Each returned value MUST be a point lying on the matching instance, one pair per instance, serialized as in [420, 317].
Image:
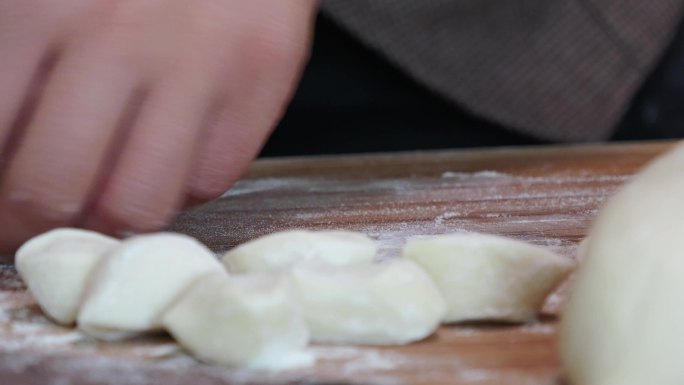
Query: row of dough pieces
[265, 300]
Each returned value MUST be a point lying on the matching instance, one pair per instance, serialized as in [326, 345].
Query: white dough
[56, 267]
[140, 279]
[623, 324]
[582, 249]
[487, 277]
[388, 303]
[287, 248]
[249, 321]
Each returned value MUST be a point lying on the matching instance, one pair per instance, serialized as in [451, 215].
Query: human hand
[114, 113]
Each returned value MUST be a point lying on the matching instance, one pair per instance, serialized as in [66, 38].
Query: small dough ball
[382, 304]
[487, 277]
[56, 267]
[622, 324]
[287, 248]
[140, 279]
[250, 321]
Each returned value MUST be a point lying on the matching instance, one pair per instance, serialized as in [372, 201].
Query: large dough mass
[623, 324]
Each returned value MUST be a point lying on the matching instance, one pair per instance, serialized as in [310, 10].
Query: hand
[113, 113]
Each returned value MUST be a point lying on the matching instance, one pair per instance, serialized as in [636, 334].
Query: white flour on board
[437, 206]
[451, 202]
[477, 174]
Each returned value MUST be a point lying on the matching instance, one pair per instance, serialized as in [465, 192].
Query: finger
[256, 100]
[66, 144]
[148, 182]
[228, 146]
[23, 64]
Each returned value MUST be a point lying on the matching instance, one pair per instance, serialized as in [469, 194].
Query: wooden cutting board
[547, 196]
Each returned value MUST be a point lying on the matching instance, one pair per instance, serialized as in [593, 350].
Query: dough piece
[487, 277]
[582, 248]
[249, 321]
[623, 322]
[56, 267]
[287, 248]
[140, 279]
[381, 304]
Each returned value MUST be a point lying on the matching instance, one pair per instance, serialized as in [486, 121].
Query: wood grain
[545, 195]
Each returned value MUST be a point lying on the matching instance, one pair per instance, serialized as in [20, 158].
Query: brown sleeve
[556, 69]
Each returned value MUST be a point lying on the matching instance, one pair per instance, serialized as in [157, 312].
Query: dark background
[351, 100]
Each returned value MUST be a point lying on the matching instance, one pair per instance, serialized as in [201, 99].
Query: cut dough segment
[487, 277]
[140, 279]
[388, 303]
[56, 267]
[623, 322]
[249, 321]
[287, 248]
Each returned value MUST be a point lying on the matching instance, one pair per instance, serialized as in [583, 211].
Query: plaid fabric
[562, 70]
